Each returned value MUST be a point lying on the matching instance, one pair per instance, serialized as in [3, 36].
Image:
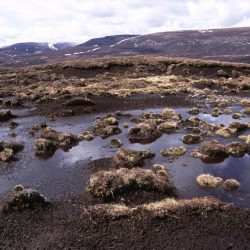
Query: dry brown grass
[122, 76]
[208, 180]
[108, 184]
[165, 207]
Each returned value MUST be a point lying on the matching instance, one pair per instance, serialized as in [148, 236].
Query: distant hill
[33, 48]
[216, 44]
[105, 41]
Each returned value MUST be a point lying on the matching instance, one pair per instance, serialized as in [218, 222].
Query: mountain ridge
[230, 44]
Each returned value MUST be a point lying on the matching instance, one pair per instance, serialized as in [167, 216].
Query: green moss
[173, 151]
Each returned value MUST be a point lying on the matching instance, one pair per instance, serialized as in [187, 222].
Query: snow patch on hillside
[51, 46]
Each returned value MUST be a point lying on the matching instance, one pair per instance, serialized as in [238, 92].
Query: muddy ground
[70, 97]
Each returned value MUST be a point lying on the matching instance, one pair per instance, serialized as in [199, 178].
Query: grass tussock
[107, 185]
[208, 180]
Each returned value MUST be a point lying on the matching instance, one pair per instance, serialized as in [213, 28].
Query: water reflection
[64, 173]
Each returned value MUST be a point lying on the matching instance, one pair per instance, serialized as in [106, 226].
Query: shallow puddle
[65, 173]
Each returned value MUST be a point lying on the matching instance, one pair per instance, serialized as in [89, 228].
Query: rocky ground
[160, 132]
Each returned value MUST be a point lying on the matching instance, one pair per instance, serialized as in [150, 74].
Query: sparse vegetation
[208, 180]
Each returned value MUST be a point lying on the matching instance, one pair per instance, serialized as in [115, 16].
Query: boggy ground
[69, 225]
[140, 217]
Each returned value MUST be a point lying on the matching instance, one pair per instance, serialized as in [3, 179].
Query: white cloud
[80, 20]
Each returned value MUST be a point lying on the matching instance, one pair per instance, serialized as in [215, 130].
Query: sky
[80, 20]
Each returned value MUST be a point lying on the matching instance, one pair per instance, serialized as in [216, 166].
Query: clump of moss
[228, 111]
[216, 112]
[37, 127]
[194, 111]
[125, 125]
[214, 149]
[125, 158]
[208, 180]
[61, 140]
[143, 133]
[167, 127]
[246, 110]
[44, 147]
[8, 149]
[170, 114]
[18, 188]
[23, 198]
[237, 115]
[174, 151]
[236, 149]
[191, 138]
[245, 102]
[106, 127]
[231, 184]
[226, 132]
[116, 143]
[245, 138]
[6, 154]
[86, 136]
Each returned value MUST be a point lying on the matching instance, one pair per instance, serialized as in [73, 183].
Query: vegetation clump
[23, 199]
[106, 127]
[61, 140]
[116, 143]
[86, 136]
[216, 112]
[226, 132]
[143, 133]
[236, 149]
[125, 158]
[170, 115]
[37, 127]
[231, 184]
[194, 111]
[107, 185]
[246, 110]
[44, 147]
[50, 140]
[237, 115]
[174, 151]
[8, 150]
[6, 154]
[191, 138]
[167, 127]
[214, 149]
[208, 180]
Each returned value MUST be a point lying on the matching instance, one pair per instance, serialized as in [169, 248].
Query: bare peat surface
[116, 146]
